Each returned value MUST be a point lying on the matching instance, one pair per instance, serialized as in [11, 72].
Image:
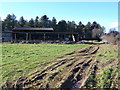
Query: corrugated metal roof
[48, 29]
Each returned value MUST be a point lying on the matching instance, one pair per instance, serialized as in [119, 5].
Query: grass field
[60, 66]
[20, 59]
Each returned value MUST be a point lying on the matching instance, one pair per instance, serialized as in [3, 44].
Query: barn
[31, 33]
[42, 34]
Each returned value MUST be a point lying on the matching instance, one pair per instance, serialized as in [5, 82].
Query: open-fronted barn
[42, 34]
[30, 33]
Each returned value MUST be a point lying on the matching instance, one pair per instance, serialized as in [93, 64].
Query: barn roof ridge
[33, 29]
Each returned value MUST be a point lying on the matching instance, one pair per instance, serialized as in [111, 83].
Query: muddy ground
[70, 71]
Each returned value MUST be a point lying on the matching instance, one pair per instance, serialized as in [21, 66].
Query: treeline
[90, 30]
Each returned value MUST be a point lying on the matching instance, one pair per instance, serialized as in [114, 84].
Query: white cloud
[114, 25]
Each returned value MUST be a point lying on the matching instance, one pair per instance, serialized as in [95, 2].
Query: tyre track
[72, 72]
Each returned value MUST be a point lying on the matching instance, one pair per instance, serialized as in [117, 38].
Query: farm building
[31, 33]
[41, 34]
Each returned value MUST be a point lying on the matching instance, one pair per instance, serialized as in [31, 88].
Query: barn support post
[26, 36]
[29, 36]
[15, 37]
[61, 37]
[58, 36]
[11, 36]
[44, 36]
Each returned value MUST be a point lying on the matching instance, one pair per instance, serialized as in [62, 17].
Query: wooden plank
[73, 37]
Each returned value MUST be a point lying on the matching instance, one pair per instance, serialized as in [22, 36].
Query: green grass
[107, 52]
[106, 77]
[20, 59]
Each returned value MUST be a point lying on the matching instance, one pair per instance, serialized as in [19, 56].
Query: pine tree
[31, 23]
[54, 22]
[14, 21]
[62, 26]
[71, 26]
[44, 21]
[36, 23]
[21, 22]
[8, 23]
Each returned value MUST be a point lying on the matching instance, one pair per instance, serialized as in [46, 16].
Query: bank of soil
[79, 69]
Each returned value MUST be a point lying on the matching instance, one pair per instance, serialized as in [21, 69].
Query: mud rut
[70, 72]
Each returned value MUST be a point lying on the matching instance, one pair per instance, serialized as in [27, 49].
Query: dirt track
[69, 71]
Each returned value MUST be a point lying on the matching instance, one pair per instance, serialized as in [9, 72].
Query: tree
[80, 27]
[8, 22]
[80, 23]
[88, 26]
[88, 30]
[44, 21]
[31, 23]
[3, 25]
[49, 24]
[27, 25]
[97, 30]
[80, 30]
[94, 25]
[71, 26]
[14, 21]
[54, 22]
[62, 26]
[21, 22]
[36, 23]
[96, 33]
